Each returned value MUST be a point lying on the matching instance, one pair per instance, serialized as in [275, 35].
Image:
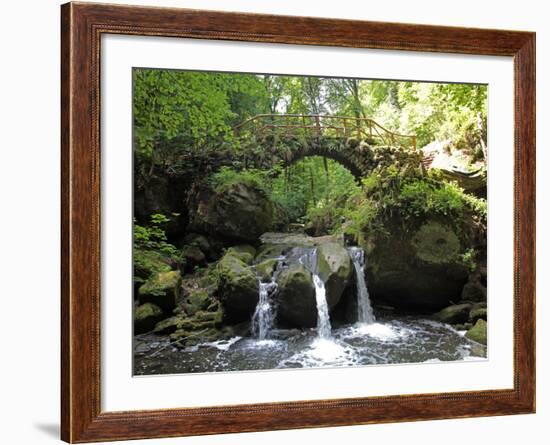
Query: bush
[227, 177]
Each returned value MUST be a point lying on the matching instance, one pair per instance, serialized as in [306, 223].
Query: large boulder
[238, 212]
[146, 316]
[335, 268]
[162, 289]
[238, 287]
[296, 297]
[420, 271]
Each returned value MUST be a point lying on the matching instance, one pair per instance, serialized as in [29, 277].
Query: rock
[265, 269]
[296, 297]
[243, 252]
[146, 316]
[271, 251]
[238, 212]
[193, 257]
[479, 332]
[419, 271]
[477, 314]
[335, 268]
[200, 321]
[146, 264]
[238, 288]
[455, 314]
[196, 300]
[166, 327]
[474, 290]
[163, 289]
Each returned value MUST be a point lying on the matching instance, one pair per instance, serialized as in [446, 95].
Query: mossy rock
[419, 272]
[196, 300]
[238, 288]
[477, 314]
[436, 244]
[474, 291]
[146, 264]
[163, 289]
[193, 256]
[271, 251]
[146, 316]
[455, 314]
[479, 332]
[335, 268]
[149, 262]
[265, 269]
[237, 212]
[296, 297]
[243, 252]
[200, 321]
[190, 338]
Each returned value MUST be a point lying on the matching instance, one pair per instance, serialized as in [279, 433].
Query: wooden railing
[320, 125]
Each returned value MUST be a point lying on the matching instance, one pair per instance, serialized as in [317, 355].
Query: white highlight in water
[323, 319]
[365, 314]
[264, 314]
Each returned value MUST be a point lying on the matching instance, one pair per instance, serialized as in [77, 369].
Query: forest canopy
[200, 109]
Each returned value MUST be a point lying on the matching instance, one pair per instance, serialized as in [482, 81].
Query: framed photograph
[274, 222]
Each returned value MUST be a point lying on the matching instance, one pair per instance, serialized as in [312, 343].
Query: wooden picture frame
[82, 26]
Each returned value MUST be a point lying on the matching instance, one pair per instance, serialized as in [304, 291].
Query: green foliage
[153, 237]
[227, 177]
[197, 107]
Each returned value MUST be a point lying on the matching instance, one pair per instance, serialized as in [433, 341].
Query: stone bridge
[359, 144]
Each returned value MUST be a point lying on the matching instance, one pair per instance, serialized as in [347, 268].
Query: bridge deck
[322, 125]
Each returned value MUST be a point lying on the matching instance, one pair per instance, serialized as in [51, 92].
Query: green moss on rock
[237, 287]
[243, 252]
[436, 243]
[163, 289]
[479, 332]
[335, 268]
[265, 269]
[146, 316]
[457, 313]
[296, 297]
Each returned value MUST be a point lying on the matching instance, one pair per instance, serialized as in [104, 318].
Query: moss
[335, 269]
[163, 289]
[148, 263]
[237, 287]
[146, 316]
[478, 313]
[265, 269]
[270, 251]
[436, 243]
[243, 252]
[197, 300]
[479, 332]
[457, 313]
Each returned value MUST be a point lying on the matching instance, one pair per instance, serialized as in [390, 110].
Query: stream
[395, 340]
[369, 341]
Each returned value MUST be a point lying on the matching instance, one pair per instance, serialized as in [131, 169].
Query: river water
[386, 341]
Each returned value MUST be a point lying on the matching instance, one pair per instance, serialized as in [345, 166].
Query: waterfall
[264, 315]
[263, 319]
[364, 308]
[323, 319]
[309, 260]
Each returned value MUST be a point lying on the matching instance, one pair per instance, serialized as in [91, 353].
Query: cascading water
[263, 319]
[309, 260]
[365, 314]
[323, 318]
[264, 315]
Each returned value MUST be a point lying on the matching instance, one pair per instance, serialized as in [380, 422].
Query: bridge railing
[322, 125]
